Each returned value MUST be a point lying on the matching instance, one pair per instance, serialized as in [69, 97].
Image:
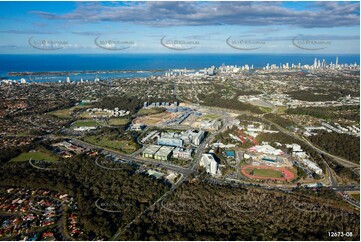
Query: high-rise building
[323, 63]
[337, 61]
[209, 163]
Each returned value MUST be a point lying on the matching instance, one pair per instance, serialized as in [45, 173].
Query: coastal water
[138, 62]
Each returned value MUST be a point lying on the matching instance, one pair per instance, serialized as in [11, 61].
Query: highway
[186, 172]
[130, 158]
[339, 160]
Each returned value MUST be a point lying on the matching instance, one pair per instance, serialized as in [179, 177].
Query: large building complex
[194, 137]
[150, 151]
[182, 153]
[170, 141]
[164, 153]
[312, 166]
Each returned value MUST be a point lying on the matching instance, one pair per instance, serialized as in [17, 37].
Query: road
[185, 175]
[339, 160]
[330, 172]
[186, 172]
[130, 158]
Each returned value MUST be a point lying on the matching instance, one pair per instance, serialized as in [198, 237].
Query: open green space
[265, 173]
[347, 112]
[123, 145]
[66, 113]
[355, 196]
[37, 155]
[265, 109]
[85, 123]
[147, 111]
[62, 113]
[210, 116]
[118, 121]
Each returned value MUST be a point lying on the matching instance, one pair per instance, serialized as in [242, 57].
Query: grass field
[85, 123]
[118, 121]
[126, 146]
[147, 111]
[265, 109]
[62, 113]
[66, 113]
[209, 117]
[265, 173]
[355, 196]
[34, 156]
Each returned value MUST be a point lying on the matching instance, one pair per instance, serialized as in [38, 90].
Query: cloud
[87, 33]
[300, 37]
[14, 31]
[10, 46]
[163, 14]
[96, 33]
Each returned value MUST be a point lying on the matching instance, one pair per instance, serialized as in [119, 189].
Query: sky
[180, 27]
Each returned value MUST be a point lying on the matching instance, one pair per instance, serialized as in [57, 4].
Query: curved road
[339, 160]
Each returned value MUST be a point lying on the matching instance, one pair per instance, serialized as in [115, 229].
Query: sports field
[148, 111]
[267, 172]
[66, 113]
[126, 146]
[118, 121]
[37, 155]
[85, 123]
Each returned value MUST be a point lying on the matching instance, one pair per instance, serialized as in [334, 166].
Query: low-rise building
[85, 128]
[170, 141]
[150, 151]
[313, 166]
[182, 153]
[164, 153]
[266, 149]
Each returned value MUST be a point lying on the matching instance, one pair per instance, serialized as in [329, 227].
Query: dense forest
[321, 96]
[343, 145]
[132, 104]
[329, 113]
[200, 211]
[123, 190]
[122, 102]
[216, 100]
[277, 119]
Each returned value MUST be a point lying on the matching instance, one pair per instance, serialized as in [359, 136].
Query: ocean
[160, 62]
